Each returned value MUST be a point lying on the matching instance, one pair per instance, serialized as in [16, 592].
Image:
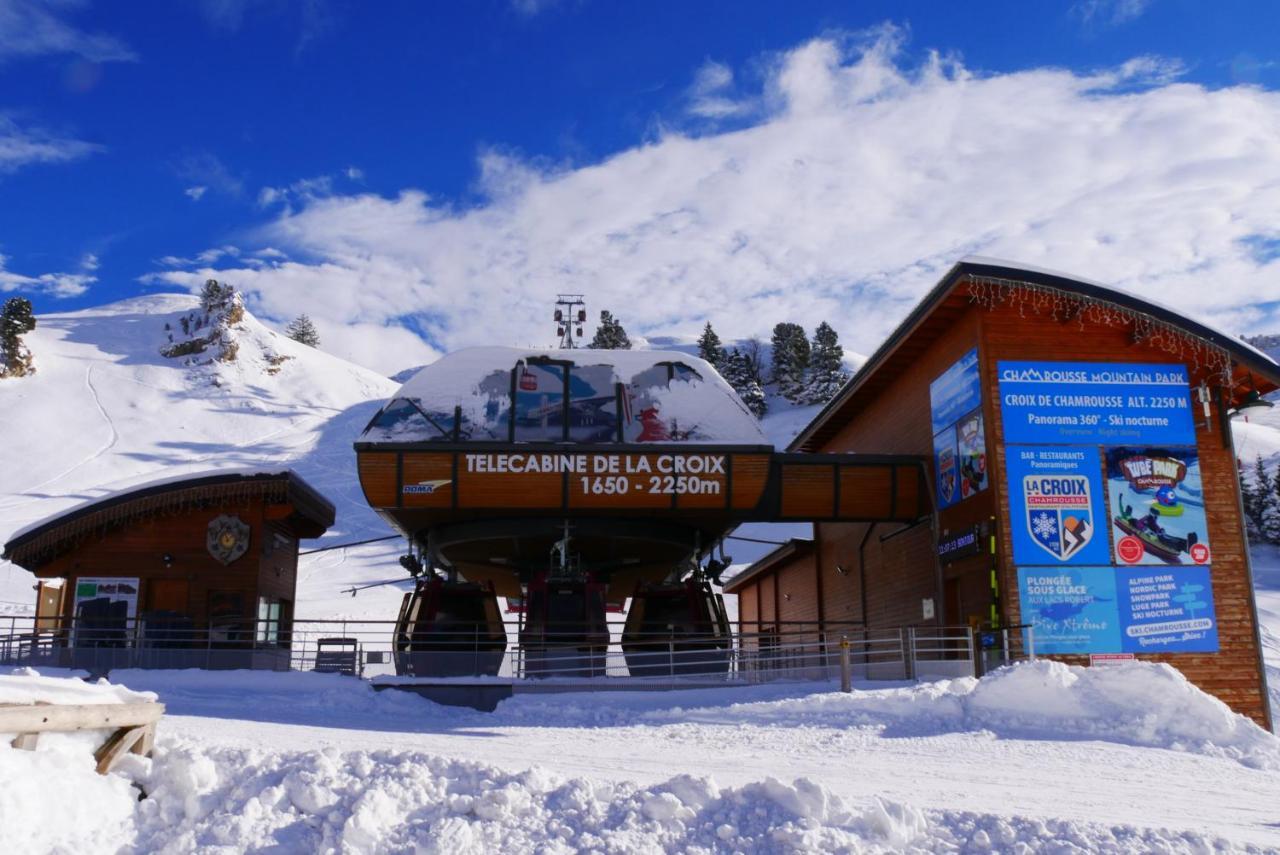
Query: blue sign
[1119, 610]
[1167, 610]
[1157, 505]
[1071, 609]
[1095, 403]
[955, 392]
[959, 442]
[1057, 509]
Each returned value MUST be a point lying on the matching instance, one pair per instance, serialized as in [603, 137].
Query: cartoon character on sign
[947, 475]
[1058, 513]
[1158, 504]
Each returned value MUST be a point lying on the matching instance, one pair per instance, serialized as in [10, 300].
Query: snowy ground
[1041, 757]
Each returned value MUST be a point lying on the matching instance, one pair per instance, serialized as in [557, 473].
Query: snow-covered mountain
[106, 410]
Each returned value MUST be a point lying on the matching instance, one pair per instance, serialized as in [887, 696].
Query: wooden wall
[1234, 673]
[900, 569]
[268, 567]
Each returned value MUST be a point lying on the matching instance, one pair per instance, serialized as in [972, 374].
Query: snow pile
[409, 801]
[28, 686]
[52, 799]
[1138, 703]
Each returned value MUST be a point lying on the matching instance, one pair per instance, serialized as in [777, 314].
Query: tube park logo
[1059, 513]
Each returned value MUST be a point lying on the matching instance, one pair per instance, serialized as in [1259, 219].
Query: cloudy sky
[419, 178]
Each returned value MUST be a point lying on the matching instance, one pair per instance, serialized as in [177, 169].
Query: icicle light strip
[1063, 306]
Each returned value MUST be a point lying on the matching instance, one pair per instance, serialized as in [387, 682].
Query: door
[168, 595]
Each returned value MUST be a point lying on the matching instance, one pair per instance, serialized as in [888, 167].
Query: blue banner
[1167, 610]
[1095, 403]
[959, 441]
[1119, 610]
[1071, 609]
[1057, 509]
[955, 392]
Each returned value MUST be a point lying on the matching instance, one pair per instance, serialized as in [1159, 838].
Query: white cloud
[302, 190]
[204, 169]
[710, 93]
[860, 185]
[31, 28]
[1110, 12]
[196, 192]
[354, 173]
[22, 146]
[57, 285]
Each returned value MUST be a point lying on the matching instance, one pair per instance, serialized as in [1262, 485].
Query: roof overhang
[1264, 372]
[41, 543]
[793, 549]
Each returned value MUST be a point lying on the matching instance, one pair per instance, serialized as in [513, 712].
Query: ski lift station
[1030, 465]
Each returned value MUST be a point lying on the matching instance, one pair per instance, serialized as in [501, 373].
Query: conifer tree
[790, 360]
[1259, 499]
[826, 366]
[709, 347]
[1271, 510]
[16, 320]
[609, 334]
[303, 331]
[736, 370]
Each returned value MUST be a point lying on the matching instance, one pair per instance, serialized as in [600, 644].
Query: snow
[28, 686]
[1051, 757]
[465, 379]
[113, 413]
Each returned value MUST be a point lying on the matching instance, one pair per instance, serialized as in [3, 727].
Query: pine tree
[303, 331]
[709, 347]
[214, 296]
[16, 320]
[1259, 498]
[1271, 512]
[610, 335]
[826, 366]
[737, 372]
[753, 352]
[790, 360]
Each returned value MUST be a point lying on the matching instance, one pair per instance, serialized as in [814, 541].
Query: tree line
[1261, 496]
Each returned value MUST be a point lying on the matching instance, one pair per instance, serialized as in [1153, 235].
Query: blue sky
[404, 171]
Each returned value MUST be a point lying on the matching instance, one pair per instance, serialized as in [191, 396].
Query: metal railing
[755, 653]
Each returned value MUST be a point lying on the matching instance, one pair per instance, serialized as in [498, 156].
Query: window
[268, 621]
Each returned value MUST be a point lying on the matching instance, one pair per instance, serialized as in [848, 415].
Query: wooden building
[1083, 474]
[186, 566]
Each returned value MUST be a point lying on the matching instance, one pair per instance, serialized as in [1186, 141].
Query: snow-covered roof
[45, 537]
[498, 394]
[1240, 352]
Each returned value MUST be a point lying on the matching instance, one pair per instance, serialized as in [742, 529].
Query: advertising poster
[945, 464]
[959, 441]
[1167, 610]
[1095, 403]
[1057, 507]
[111, 590]
[971, 454]
[955, 392]
[1156, 506]
[1072, 609]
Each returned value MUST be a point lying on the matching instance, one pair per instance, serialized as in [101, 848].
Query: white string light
[991, 292]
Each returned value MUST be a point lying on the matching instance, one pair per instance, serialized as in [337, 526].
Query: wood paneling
[750, 475]
[808, 492]
[377, 471]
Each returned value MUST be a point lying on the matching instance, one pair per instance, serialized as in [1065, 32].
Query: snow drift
[204, 796]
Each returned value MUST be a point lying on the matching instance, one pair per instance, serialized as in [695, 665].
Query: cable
[353, 543]
[756, 540]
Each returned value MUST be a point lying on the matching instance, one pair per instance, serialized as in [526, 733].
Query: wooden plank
[123, 741]
[44, 718]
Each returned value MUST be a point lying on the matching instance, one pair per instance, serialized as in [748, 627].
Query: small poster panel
[959, 442]
[1071, 609]
[113, 590]
[1056, 505]
[1156, 505]
[971, 448]
[1167, 610]
[1095, 403]
[947, 467]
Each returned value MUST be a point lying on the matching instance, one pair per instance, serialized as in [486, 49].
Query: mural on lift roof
[959, 441]
[1067, 425]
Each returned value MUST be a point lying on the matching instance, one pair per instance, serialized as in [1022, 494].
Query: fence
[757, 653]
